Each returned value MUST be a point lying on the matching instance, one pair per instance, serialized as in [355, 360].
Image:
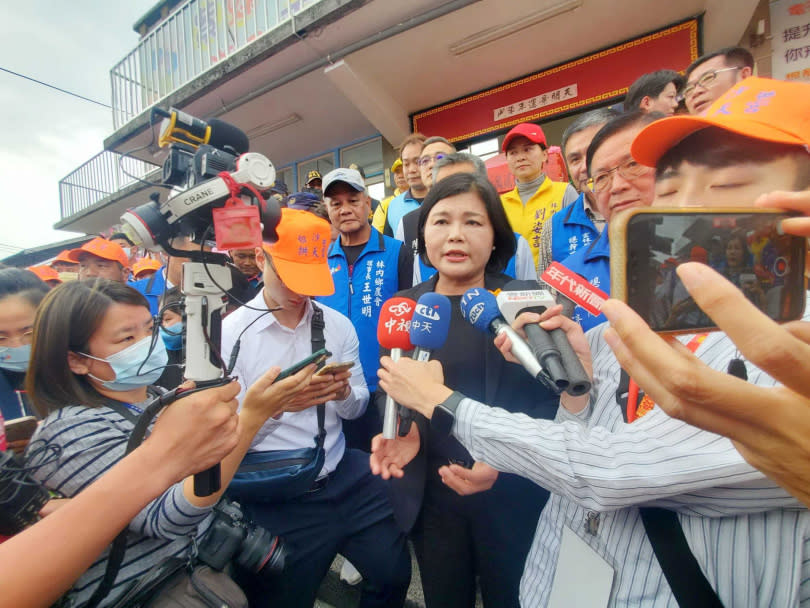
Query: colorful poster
[790, 42]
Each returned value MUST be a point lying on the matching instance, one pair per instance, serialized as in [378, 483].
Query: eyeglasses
[25, 338]
[705, 82]
[629, 170]
[424, 160]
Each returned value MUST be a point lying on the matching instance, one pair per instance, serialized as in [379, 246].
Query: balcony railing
[98, 178]
[196, 36]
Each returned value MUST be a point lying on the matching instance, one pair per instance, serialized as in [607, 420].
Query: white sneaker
[349, 574]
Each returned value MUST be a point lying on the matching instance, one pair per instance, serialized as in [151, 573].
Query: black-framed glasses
[424, 160]
[629, 170]
[705, 82]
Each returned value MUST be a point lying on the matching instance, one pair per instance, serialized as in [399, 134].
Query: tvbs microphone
[480, 309]
[393, 333]
[429, 328]
[552, 349]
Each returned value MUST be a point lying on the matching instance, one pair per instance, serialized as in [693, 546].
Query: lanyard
[636, 409]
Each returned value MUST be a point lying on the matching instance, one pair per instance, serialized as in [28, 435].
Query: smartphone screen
[745, 247]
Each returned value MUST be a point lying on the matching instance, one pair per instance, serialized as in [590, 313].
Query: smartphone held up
[745, 245]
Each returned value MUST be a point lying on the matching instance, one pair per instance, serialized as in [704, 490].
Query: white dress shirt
[749, 536]
[267, 343]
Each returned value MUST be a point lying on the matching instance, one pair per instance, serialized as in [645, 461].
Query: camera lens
[262, 552]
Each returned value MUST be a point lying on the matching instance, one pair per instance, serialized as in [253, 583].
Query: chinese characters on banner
[538, 101]
[790, 28]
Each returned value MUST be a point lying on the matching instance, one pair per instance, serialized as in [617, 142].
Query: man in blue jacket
[367, 268]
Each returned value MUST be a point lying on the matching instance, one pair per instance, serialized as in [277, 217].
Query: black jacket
[499, 383]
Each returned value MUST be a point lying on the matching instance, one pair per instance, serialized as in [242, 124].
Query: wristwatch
[444, 415]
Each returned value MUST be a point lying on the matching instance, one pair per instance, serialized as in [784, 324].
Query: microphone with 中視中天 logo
[430, 325]
[393, 333]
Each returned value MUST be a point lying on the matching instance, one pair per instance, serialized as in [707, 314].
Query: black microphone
[225, 135]
[552, 349]
[523, 296]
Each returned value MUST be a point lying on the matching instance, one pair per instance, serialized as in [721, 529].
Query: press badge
[577, 561]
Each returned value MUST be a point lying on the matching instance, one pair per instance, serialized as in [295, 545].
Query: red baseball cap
[300, 253]
[529, 130]
[101, 248]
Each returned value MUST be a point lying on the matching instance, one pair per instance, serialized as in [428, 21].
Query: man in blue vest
[367, 268]
[577, 225]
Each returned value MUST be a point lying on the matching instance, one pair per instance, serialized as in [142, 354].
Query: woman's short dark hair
[717, 148]
[461, 183]
[66, 320]
[22, 283]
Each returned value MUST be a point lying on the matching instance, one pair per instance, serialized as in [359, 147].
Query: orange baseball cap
[299, 254]
[64, 256]
[145, 264]
[45, 273]
[101, 248]
[759, 108]
[529, 130]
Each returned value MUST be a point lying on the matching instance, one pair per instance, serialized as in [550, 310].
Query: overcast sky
[47, 134]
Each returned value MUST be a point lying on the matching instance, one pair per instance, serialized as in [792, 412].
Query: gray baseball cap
[351, 177]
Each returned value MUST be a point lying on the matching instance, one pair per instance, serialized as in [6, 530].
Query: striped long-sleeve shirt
[748, 535]
[91, 441]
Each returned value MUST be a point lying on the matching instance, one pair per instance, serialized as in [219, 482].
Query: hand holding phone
[646, 245]
[316, 358]
[335, 368]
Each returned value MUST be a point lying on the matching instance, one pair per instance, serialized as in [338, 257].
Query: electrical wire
[56, 88]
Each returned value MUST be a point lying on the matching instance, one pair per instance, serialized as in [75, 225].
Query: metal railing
[98, 178]
[196, 36]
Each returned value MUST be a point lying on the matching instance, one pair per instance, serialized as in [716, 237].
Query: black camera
[233, 537]
[21, 497]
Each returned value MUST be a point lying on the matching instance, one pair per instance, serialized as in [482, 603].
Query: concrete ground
[334, 593]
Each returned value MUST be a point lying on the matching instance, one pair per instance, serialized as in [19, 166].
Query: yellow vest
[528, 219]
[381, 214]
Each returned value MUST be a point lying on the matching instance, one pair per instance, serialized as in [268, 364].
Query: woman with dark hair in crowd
[21, 291]
[171, 330]
[472, 521]
[95, 356]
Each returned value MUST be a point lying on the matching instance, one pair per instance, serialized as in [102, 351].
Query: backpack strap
[665, 533]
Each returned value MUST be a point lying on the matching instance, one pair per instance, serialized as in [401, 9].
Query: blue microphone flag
[430, 323]
[480, 308]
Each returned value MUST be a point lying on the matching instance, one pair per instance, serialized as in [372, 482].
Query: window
[368, 156]
[286, 175]
[322, 164]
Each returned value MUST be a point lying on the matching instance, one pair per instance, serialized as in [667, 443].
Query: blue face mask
[15, 359]
[173, 336]
[126, 363]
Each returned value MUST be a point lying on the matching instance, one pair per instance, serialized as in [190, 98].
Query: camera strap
[119, 545]
[318, 342]
[665, 533]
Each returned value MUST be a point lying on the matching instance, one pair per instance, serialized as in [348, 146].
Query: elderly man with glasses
[712, 75]
[619, 183]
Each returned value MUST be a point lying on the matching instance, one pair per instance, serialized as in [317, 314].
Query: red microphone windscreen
[393, 328]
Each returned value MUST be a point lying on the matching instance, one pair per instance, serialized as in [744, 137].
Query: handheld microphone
[393, 333]
[480, 309]
[522, 296]
[552, 349]
[429, 328]
[430, 324]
